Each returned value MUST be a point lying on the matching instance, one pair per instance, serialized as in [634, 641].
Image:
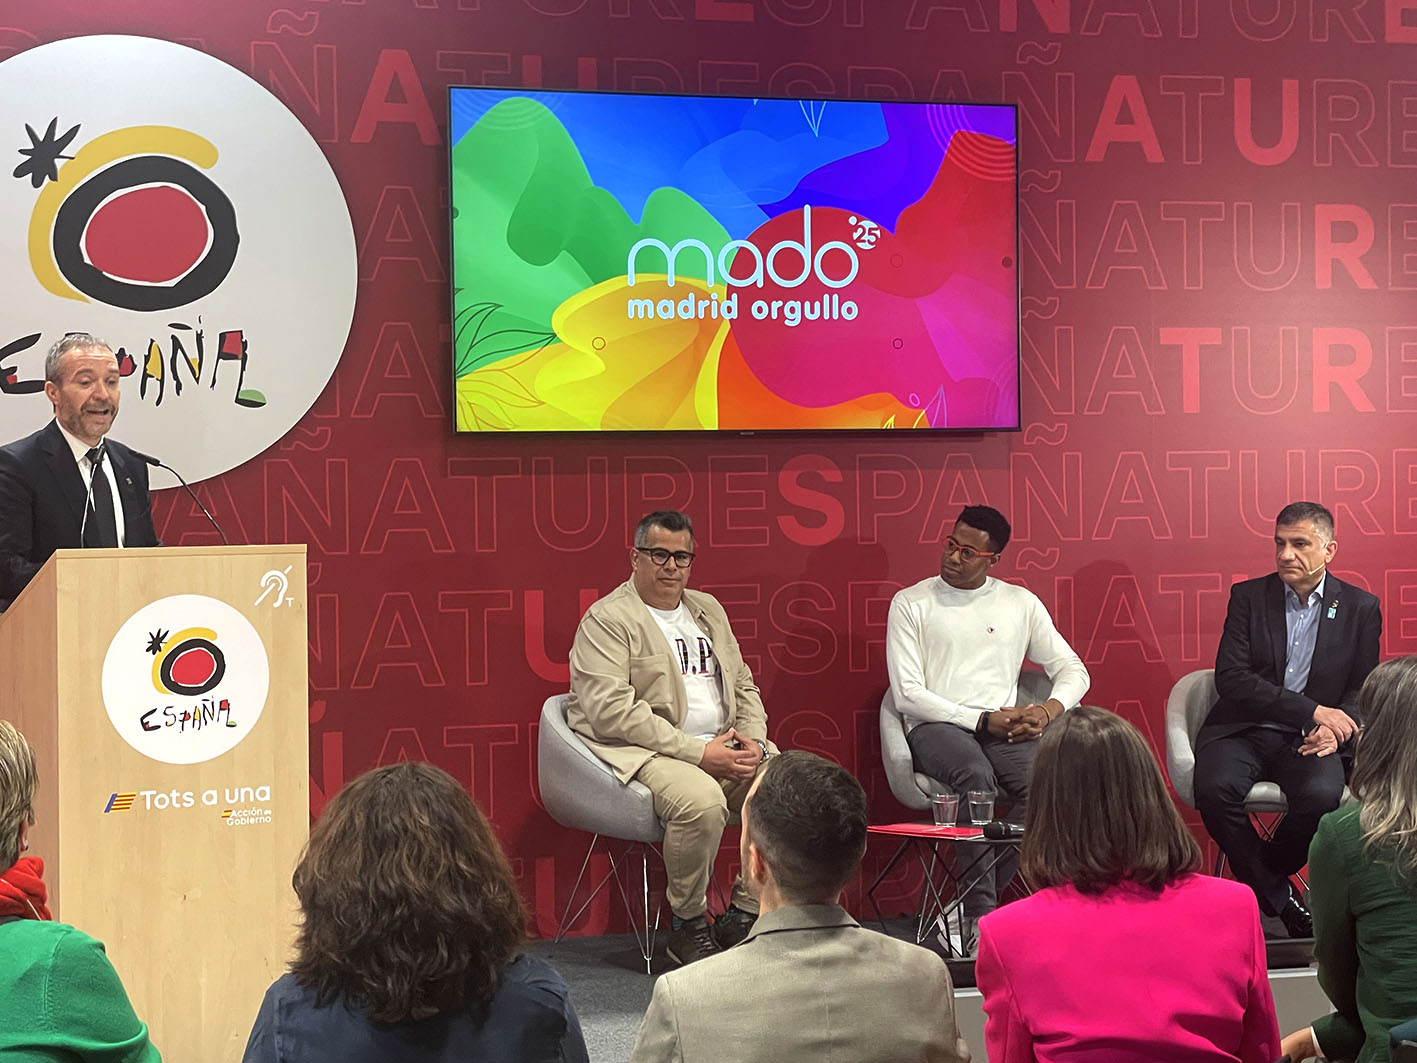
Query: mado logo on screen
[755, 269]
[687, 262]
[185, 679]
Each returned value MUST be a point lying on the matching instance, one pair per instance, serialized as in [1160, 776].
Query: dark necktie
[100, 528]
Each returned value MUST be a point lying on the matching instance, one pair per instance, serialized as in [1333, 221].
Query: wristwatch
[983, 724]
[764, 747]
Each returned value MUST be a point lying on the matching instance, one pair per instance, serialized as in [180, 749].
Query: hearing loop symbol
[278, 581]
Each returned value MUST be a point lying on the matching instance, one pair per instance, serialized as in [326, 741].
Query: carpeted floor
[609, 989]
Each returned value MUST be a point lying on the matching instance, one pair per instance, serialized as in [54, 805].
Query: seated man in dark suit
[46, 502]
[1296, 647]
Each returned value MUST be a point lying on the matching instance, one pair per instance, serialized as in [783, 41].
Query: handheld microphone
[999, 830]
[156, 463]
[96, 469]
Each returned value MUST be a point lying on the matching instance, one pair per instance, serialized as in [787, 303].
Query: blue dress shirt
[1301, 627]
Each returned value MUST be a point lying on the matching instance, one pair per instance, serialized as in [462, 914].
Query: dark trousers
[963, 761]
[1226, 767]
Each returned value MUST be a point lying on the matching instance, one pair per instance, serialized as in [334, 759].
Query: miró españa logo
[743, 264]
[185, 679]
[171, 204]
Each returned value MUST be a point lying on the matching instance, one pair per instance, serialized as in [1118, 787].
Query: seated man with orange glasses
[954, 646]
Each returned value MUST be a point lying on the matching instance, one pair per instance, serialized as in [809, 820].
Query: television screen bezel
[712, 433]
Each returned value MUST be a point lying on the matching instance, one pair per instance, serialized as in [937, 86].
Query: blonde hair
[19, 778]
[1385, 765]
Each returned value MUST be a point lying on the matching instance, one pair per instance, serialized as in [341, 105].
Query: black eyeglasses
[659, 555]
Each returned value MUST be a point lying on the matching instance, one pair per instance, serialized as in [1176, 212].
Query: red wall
[1219, 250]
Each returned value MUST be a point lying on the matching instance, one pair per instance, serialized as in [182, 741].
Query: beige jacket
[627, 694]
[807, 985]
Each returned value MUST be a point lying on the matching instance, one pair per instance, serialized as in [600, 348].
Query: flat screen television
[627, 262]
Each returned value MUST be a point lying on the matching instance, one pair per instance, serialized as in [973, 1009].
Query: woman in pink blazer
[1125, 954]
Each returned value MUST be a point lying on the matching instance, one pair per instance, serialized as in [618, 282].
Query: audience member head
[1098, 811]
[19, 779]
[973, 547]
[81, 380]
[660, 560]
[1385, 764]
[409, 905]
[1303, 544]
[804, 830]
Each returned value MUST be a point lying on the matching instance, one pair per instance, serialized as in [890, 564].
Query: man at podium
[50, 497]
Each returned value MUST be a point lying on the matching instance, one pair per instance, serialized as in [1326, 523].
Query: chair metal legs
[1265, 825]
[643, 929]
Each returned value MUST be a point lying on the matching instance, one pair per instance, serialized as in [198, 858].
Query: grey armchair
[1187, 707]
[580, 791]
[911, 788]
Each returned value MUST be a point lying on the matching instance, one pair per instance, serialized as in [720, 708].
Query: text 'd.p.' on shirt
[693, 649]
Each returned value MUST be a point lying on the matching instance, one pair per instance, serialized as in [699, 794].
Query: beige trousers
[694, 808]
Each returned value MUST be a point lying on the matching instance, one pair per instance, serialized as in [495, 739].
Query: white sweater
[955, 654]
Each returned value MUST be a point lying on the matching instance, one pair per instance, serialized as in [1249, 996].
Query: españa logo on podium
[185, 679]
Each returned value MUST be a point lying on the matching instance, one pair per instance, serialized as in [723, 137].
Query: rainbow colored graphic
[626, 262]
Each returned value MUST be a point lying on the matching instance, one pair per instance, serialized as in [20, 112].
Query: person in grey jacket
[808, 983]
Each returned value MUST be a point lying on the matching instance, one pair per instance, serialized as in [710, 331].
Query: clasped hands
[1019, 723]
[731, 756]
[1332, 728]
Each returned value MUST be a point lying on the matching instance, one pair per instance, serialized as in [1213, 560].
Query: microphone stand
[158, 463]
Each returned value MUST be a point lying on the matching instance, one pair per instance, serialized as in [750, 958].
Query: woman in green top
[1363, 882]
[60, 998]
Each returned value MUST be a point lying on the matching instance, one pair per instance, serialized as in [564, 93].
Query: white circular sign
[167, 203]
[185, 679]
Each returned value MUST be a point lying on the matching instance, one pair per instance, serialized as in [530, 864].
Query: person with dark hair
[808, 982]
[410, 940]
[660, 692]
[954, 646]
[1103, 962]
[1363, 882]
[60, 998]
[81, 381]
[1296, 647]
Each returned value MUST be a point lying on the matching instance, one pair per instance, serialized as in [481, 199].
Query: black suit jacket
[42, 503]
[1251, 658]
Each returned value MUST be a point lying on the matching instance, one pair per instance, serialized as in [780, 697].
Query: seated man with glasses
[660, 692]
[954, 646]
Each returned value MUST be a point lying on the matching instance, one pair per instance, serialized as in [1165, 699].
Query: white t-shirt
[693, 649]
[953, 653]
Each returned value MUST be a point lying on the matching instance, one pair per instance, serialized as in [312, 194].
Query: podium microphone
[163, 465]
[1000, 830]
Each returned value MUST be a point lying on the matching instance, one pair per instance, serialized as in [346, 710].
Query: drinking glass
[946, 809]
[981, 806]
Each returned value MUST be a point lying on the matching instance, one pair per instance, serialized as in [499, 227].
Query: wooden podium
[171, 807]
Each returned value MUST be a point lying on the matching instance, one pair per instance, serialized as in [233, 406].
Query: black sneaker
[733, 926]
[1296, 917]
[692, 941]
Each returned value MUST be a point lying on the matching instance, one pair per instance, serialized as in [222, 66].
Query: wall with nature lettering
[1218, 258]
